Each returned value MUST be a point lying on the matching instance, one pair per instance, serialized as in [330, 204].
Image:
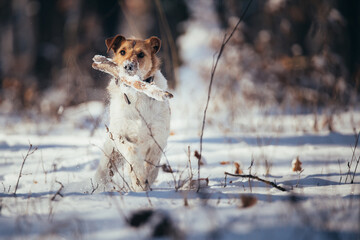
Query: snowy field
[54, 198]
[47, 165]
[52, 195]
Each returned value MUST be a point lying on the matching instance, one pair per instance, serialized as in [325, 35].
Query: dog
[139, 125]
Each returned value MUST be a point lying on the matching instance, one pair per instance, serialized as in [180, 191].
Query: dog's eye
[141, 55]
[122, 52]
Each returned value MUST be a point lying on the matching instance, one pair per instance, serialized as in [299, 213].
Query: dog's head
[138, 57]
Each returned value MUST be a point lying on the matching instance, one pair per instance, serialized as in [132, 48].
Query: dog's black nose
[130, 66]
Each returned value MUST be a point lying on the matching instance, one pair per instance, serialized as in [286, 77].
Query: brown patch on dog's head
[155, 44]
[114, 43]
[138, 57]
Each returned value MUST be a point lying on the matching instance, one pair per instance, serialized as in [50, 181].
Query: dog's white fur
[138, 135]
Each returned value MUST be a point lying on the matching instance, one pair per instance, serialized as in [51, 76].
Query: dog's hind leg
[110, 166]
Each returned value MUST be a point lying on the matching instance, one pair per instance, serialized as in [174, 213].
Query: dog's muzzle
[130, 68]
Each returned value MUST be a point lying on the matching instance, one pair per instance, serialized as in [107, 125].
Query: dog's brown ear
[155, 44]
[114, 42]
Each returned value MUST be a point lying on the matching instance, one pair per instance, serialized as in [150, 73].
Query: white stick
[106, 65]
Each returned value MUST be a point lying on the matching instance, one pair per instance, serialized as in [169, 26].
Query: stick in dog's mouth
[107, 65]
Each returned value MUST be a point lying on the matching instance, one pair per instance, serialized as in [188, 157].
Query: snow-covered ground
[318, 203]
[55, 199]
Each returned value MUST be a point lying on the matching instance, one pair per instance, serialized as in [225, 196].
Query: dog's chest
[131, 111]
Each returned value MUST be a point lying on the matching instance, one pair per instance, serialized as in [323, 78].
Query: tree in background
[301, 55]
[296, 51]
[46, 47]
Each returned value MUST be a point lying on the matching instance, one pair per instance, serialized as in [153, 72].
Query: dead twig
[148, 198]
[42, 164]
[93, 187]
[224, 42]
[340, 171]
[30, 151]
[165, 167]
[357, 136]
[190, 168]
[257, 178]
[250, 167]
[58, 191]
[298, 181]
[357, 163]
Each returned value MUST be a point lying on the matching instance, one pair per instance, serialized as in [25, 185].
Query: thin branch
[30, 151]
[58, 191]
[189, 159]
[357, 136]
[165, 167]
[251, 165]
[257, 178]
[148, 198]
[93, 187]
[357, 163]
[224, 42]
[340, 171]
[42, 164]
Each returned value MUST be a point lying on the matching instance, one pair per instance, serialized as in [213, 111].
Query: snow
[318, 204]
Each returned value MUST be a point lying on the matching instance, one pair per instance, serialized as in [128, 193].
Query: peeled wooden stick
[106, 65]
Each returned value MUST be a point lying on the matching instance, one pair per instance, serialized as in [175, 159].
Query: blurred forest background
[286, 52]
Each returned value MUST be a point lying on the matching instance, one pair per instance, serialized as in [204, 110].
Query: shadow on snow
[311, 139]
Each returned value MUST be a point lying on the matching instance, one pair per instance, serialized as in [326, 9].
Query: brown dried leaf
[199, 157]
[111, 136]
[237, 168]
[166, 168]
[225, 162]
[138, 182]
[296, 165]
